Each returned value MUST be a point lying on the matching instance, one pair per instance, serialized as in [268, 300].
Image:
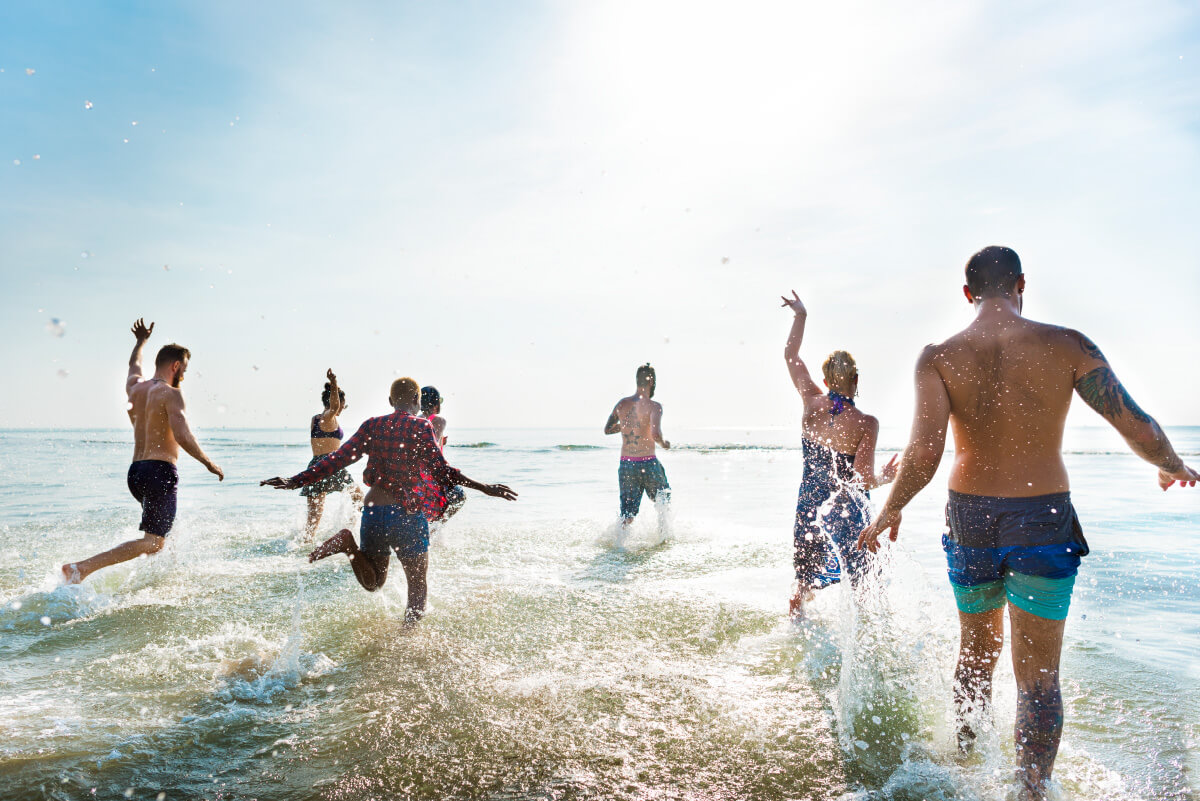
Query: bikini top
[316, 432]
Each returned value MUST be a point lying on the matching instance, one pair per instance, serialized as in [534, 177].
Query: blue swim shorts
[1023, 550]
[390, 528]
[637, 475]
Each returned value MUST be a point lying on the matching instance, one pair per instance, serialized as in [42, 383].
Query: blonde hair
[840, 371]
[405, 391]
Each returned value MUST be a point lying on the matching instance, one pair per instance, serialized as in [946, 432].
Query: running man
[404, 465]
[431, 410]
[160, 429]
[1005, 383]
[639, 420]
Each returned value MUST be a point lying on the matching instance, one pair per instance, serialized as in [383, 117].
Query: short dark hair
[168, 354]
[430, 398]
[993, 271]
[327, 393]
[646, 377]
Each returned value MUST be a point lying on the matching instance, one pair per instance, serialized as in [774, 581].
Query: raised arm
[141, 333]
[1098, 386]
[613, 426]
[797, 369]
[926, 443]
[176, 415]
[864, 459]
[329, 416]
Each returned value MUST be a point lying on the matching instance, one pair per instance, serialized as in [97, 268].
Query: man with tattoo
[639, 420]
[1005, 383]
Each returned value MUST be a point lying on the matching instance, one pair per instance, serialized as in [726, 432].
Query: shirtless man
[403, 458]
[160, 429]
[639, 420]
[1005, 383]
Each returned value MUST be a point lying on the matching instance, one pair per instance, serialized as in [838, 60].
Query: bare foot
[71, 573]
[796, 605]
[342, 542]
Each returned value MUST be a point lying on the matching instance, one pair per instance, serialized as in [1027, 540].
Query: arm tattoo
[1101, 390]
[1089, 347]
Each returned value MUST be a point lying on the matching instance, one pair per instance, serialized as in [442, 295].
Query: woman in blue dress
[839, 468]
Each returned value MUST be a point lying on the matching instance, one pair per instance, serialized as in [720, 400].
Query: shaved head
[993, 271]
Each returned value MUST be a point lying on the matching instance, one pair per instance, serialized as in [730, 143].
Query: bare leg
[800, 597]
[980, 638]
[1036, 648]
[414, 571]
[316, 505]
[370, 569]
[75, 572]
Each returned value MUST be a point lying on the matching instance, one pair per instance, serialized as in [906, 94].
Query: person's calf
[1037, 733]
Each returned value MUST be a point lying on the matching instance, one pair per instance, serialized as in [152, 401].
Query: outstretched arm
[434, 462]
[177, 416]
[613, 426]
[1098, 386]
[656, 426]
[805, 385]
[141, 333]
[864, 459]
[926, 443]
[351, 451]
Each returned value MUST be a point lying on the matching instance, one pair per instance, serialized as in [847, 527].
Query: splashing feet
[342, 542]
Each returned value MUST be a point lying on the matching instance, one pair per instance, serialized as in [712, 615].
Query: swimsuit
[827, 474]
[390, 528]
[638, 474]
[334, 483]
[316, 432]
[1025, 549]
[154, 484]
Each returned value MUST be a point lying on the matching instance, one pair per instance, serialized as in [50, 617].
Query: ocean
[558, 660]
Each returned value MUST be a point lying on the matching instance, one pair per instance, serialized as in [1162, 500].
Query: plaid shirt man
[403, 458]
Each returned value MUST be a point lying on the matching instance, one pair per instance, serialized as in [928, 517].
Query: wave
[470, 444]
[579, 447]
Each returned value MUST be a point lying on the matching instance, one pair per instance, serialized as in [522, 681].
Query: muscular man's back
[1009, 381]
[637, 417]
[149, 413]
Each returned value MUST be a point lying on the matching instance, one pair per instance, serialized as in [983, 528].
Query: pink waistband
[638, 458]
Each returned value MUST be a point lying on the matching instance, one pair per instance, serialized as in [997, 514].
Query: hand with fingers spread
[499, 491]
[278, 483]
[794, 303]
[888, 474]
[1186, 476]
[140, 331]
[888, 520]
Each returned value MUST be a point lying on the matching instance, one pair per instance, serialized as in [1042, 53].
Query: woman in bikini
[325, 435]
[839, 468]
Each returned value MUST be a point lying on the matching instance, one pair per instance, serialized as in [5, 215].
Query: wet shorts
[333, 483]
[638, 475]
[155, 484]
[390, 528]
[1023, 550]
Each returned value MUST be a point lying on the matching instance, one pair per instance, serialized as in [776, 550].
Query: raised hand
[499, 491]
[278, 483]
[140, 331]
[329, 374]
[868, 540]
[795, 304]
[1186, 476]
[888, 474]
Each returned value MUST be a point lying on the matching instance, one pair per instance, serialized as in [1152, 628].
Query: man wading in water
[160, 429]
[1005, 384]
[405, 471]
[639, 420]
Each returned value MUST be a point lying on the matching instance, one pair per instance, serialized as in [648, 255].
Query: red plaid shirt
[403, 458]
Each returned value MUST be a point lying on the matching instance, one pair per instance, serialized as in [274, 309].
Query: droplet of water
[29, 70]
[63, 373]
[56, 328]
[129, 792]
[87, 104]
[37, 157]
[45, 620]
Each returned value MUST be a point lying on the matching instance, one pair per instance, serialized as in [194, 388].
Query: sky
[521, 202]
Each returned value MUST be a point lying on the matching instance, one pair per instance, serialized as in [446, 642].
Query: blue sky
[521, 202]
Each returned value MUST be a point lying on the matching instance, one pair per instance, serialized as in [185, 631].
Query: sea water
[561, 657]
